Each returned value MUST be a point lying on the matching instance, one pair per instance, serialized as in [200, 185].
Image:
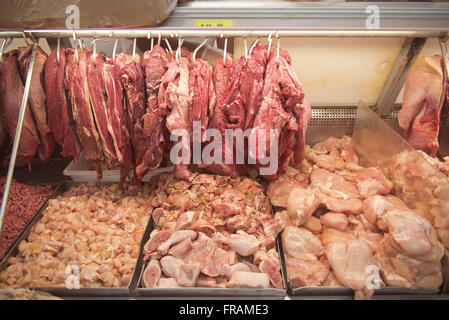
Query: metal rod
[236, 32]
[444, 54]
[396, 79]
[15, 147]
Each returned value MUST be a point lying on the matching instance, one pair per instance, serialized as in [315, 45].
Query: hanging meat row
[122, 109]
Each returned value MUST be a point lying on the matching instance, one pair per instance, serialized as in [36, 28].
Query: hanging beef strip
[154, 65]
[202, 93]
[131, 76]
[99, 102]
[251, 85]
[78, 91]
[174, 95]
[117, 120]
[59, 110]
[222, 119]
[37, 98]
[11, 92]
[285, 109]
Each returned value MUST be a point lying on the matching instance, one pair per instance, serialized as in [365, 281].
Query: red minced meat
[23, 203]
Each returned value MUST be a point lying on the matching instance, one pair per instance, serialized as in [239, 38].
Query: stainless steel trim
[390, 92]
[226, 32]
[15, 147]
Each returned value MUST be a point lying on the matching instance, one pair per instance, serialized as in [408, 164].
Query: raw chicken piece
[301, 243]
[272, 228]
[271, 266]
[242, 243]
[313, 225]
[230, 269]
[371, 181]
[412, 235]
[279, 189]
[152, 274]
[181, 249]
[170, 266]
[186, 219]
[301, 204]
[330, 235]
[242, 279]
[175, 238]
[216, 265]
[283, 216]
[187, 274]
[376, 206]
[337, 221]
[349, 206]
[306, 272]
[156, 239]
[349, 261]
[168, 283]
[331, 161]
[327, 145]
[332, 281]
[202, 251]
[206, 282]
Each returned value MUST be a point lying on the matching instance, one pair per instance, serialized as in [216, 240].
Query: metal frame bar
[209, 32]
[15, 147]
[395, 81]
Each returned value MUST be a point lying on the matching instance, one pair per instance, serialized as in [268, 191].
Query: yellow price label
[214, 23]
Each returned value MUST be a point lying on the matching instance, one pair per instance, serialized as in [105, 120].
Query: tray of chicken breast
[212, 236]
[84, 242]
[348, 232]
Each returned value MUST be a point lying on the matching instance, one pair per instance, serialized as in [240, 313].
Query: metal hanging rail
[15, 147]
[203, 32]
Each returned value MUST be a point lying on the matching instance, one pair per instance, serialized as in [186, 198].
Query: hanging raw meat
[422, 108]
[59, 110]
[226, 116]
[154, 64]
[11, 92]
[76, 82]
[284, 109]
[252, 82]
[117, 120]
[37, 98]
[174, 96]
[131, 75]
[99, 102]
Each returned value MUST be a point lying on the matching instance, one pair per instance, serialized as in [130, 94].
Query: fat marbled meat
[37, 98]
[174, 95]
[131, 75]
[59, 110]
[11, 91]
[78, 91]
[117, 121]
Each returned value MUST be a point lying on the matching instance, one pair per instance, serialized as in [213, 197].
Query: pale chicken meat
[242, 279]
[337, 221]
[349, 261]
[301, 243]
[209, 229]
[301, 203]
[371, 181]
[306, 273]
[152, 274]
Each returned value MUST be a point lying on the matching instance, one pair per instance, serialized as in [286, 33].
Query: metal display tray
[140, 291]
[63, 291]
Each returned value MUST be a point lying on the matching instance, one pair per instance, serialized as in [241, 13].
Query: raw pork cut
[59, 110]
[37, 98]
[11, 91]
[424, 96]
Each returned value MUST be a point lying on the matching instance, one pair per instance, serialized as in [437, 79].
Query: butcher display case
[352, 60]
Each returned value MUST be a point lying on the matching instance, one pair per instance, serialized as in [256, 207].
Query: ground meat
[23, 202]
